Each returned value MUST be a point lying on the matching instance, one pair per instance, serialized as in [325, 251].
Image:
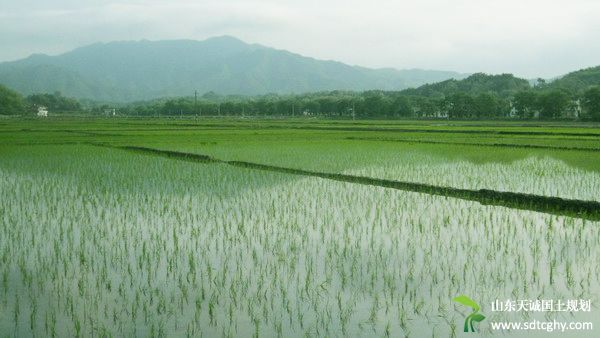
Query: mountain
[141, 70]
[578, 81]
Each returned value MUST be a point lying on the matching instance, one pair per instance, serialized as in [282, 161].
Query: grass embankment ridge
[502, 145]
[589, 210]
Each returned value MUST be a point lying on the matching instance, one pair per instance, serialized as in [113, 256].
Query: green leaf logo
[473, 317]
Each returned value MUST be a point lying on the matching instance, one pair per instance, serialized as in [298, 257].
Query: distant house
[574, 109]
[42, 111]
[110, 112]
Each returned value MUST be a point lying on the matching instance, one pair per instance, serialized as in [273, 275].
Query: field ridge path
[589, 210]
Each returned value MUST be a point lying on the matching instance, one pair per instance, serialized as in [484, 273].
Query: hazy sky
[527, 37]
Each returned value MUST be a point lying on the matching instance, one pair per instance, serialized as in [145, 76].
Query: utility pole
[196, 101]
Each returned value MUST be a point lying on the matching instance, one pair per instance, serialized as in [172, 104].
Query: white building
[42, 111]
[110, 112]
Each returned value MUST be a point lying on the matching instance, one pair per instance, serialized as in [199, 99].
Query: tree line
[525, 104]
[12, 103]
[479, 96]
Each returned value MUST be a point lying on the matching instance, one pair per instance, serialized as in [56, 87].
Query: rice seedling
[103, 242]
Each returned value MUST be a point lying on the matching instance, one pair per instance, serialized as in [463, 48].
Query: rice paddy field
[233, 228]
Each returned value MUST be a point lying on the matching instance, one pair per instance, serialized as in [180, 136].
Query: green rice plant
[132, 245]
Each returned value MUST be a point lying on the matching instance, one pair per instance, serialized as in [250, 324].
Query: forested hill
[579, 81]
[502, 85]
[143, 70]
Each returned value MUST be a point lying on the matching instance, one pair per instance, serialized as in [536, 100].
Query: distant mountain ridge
[141, 70]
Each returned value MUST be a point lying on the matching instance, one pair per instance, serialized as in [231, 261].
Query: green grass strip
[503, 145]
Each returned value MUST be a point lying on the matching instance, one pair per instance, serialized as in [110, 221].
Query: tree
[11, 102]
[425, 106]
[54, 102]
[525, 104]
[401, 107]
[540, 83]
[374, 104]
[460, 105]
[591, 102]
[485, 106]
[552, 104]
